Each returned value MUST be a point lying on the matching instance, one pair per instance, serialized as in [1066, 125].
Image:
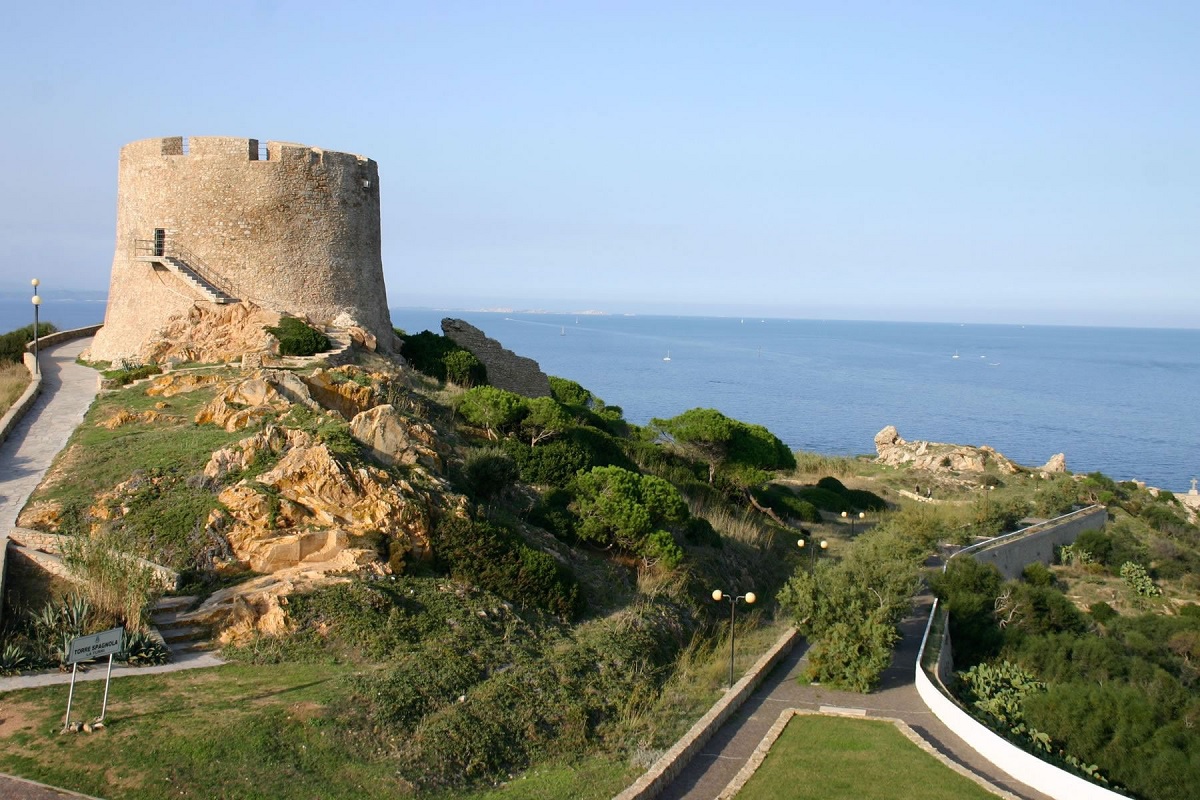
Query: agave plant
[13, 659]
[142, 649]
[76, 610]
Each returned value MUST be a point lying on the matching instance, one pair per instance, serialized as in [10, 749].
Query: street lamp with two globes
[749, 597]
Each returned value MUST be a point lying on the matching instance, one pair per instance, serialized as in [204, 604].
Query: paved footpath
[67, 391]
[729, 749]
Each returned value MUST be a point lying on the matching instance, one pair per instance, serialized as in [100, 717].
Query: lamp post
[861, 516]
[812, 552]
[749, 597]
[37, 302]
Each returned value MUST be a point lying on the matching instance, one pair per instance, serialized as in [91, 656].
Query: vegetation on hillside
[1109, 687]
[562, 611]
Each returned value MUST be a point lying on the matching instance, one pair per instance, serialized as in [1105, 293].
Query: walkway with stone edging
[729, 749]
[68, 389]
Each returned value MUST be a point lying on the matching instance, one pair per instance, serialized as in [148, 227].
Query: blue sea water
[1118, 400]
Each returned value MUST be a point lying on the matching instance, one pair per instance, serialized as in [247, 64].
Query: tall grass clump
[13, 380]
[115, 583]
[816, 463]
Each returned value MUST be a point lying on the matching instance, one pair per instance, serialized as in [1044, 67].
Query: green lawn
[828, 758]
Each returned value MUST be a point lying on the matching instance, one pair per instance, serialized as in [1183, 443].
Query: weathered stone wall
[297, 231]
[505, 369]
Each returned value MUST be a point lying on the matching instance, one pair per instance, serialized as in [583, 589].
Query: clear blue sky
[1011, 162]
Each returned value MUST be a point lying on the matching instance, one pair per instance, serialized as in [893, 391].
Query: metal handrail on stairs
[170, 247]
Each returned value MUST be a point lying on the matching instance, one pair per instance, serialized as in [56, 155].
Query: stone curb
[663, 771]
[44, 786]
[768, 741]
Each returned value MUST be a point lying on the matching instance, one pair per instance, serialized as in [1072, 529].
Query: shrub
[700, 531]
[496, 559]
[441, 357]
[622, 508]
[569, 393]
[1037, 574]
[824, 499]
[297, 338]
[130, 372]
[489, 471]
[786, 504]
[12, 344]
[831, 484]
[492, 409]
[463, 368]
[1136, 578]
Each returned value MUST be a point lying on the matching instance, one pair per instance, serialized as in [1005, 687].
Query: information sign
[95, 645]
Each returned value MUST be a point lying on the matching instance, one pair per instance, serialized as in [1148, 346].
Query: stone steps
[178, 635]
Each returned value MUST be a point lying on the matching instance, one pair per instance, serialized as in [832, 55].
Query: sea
[1122, 401]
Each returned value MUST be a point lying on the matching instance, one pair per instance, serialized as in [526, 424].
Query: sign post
[85, 648]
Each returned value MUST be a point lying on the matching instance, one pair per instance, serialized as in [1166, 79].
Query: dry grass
[13, 380]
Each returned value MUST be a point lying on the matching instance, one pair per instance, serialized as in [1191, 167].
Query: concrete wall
[663, 771]
[1013, 552]
[297, 231]
[1023, 547]
[505, 369]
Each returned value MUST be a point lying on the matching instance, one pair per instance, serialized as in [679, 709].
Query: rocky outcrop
[1057, 463]
[935, 456]
[505, 369]
[260, 396]
[259, 605]
[310, 508]
[207, 332]
[392, 438]
[347, 390]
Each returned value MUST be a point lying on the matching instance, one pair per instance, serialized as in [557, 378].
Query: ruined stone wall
[294, 228]
[505, 369]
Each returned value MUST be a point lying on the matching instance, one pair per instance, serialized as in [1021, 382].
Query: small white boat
[955, 354]
[667, 357]
[563, 332]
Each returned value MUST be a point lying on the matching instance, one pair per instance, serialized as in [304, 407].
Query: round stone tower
[214, 219]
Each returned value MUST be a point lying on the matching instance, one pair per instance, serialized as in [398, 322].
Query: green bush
[831, 484]
[824, 499]
[489, 471]
[569, 393]
[786, 504]
[496, 559]
[12, 344]
[441, 357]
[297, 338]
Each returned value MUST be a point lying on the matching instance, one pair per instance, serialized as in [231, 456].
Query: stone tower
[214, 219]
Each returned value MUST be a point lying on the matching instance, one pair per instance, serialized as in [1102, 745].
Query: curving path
[68, 389]
[729, 749]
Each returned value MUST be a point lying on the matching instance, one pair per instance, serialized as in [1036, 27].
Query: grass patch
[13, 380]
[827, 758]
[235, 731]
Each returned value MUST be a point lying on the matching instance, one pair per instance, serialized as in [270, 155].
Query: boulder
[392, 438]
[1056, 464]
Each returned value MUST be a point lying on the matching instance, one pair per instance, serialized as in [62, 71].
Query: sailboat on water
[667, 357]
[955, 354]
